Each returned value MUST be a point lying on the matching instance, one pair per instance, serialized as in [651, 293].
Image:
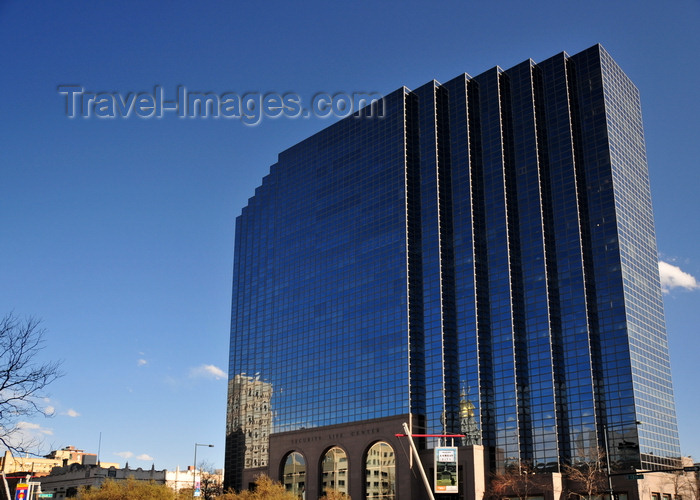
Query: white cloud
[29, 428]
[208, 371]
[27, 433]
[127, 455]
[673, 277]
[141, 362]
[49, 409]
[72, 413]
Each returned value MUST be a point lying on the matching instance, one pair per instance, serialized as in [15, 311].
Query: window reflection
[380, 472]
[294, 474]
[334, 471]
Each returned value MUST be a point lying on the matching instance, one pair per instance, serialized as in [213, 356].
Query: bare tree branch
[684, 484]
[587, 476]
[23, 378]
[517, 480]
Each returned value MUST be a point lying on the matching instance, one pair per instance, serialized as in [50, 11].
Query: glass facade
[481, 256]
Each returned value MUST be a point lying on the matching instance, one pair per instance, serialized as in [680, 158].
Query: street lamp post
[607, 454]
[194, 471]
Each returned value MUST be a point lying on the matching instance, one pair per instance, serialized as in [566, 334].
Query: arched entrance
[294, 474]
[380, 472]
[334, 471]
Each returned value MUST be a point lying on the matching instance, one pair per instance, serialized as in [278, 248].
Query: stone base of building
[356, 440]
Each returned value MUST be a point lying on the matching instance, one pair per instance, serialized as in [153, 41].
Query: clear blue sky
[119, 233]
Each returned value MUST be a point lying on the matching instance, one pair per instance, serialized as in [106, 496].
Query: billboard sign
[446, 470]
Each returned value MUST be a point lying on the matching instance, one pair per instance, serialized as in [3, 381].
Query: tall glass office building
[476, 257]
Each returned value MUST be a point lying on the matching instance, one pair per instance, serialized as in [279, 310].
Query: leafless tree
[517, 480]
[684, 485]
[23, 378]
[587, 477]
[210, 482]
[500, 485]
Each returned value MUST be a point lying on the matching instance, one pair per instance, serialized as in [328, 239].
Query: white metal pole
[7, 487]
[420, 464]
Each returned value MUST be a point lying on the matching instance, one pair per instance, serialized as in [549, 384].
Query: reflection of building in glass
[294, 474]
[334, 471]
[380, 471]
[467, 419]
[492, 232]
[249, 421]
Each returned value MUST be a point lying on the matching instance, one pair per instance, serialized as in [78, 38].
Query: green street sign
[635, 476]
